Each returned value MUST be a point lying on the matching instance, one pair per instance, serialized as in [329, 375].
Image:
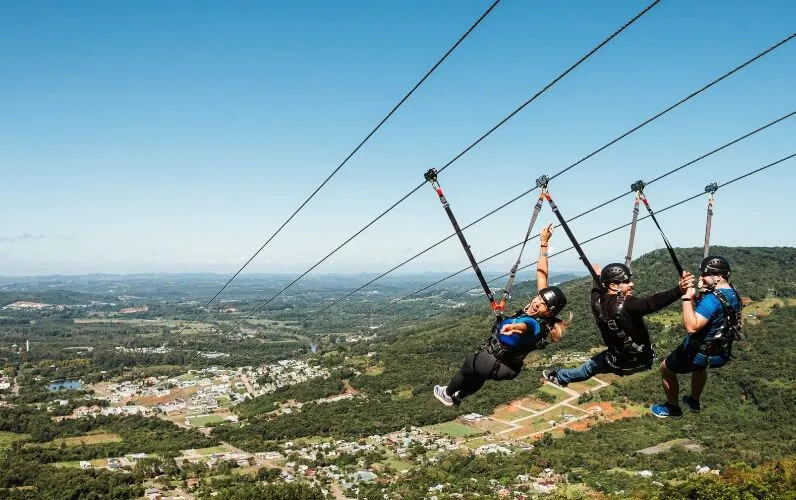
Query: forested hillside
[748, 405]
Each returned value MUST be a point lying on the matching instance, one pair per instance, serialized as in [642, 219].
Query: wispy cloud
[35, 237]
[21, 237]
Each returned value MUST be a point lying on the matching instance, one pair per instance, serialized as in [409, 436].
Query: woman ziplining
[501, 356]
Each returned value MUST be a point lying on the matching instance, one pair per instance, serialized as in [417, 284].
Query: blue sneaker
[664, 410]
[691, 403]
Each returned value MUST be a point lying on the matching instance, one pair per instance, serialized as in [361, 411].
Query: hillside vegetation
[748, 405]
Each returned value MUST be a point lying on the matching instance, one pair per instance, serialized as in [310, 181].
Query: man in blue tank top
[712, 326]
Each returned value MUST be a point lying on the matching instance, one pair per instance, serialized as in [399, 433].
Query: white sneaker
[439, 393]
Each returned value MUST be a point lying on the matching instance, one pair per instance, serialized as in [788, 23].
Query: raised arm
[541, 266]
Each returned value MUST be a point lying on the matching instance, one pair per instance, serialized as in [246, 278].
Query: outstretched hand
[597, 268]
[547, 232]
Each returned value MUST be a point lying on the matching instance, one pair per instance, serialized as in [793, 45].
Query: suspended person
[501, 356]
[620, 318]
[712, 324]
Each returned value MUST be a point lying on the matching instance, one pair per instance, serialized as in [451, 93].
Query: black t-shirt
[632, 319]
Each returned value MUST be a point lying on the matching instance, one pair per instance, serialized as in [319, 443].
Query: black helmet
[615, 273]
[554, 298]
[714, 264]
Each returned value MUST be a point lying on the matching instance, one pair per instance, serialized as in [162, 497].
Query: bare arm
[692, 321]
[541, 266]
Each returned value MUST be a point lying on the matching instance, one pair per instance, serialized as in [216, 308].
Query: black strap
[574, 241]
[711, 190]
[431, 176]
[669, 247]
[538, 208]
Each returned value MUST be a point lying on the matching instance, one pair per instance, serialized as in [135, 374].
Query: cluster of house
[287, 372]
[117, 463]
[94, 410]
[144, 350]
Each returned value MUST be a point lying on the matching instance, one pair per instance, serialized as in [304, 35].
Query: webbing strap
[574, 241]
[507, 291]
[629, 256]
[711, 190]
[431, 176]
[669, 247]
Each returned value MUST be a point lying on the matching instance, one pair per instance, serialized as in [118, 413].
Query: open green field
[92, 438]
[475, 443]
[397, 464]
[211, 450]
[204, 420]
[173, 324]
[559, 394]
[75, 464]
[8, 438]
[454, 429]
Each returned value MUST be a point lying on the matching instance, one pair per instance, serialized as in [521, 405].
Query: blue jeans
[585, 371]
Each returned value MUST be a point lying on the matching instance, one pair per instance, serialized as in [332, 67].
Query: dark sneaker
[691, 403]
[552, 377]
[664, 410]
[439, 393]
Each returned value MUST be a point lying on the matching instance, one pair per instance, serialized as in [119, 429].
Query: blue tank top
[525, 341]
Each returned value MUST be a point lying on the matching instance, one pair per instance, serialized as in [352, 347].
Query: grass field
[454, 429]
[7, 438]
[475, 443]
[93, 438]
[75, 464]
[510, 413]
[397, 464]
[211, 450]
[559, 394]
[204, 420]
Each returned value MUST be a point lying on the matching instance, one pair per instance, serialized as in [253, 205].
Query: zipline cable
[459, 155]
[688, 97]
[601, 235]
[602, 148]
[350, 155]
[449, 163]
[525, 193]
[582, 214]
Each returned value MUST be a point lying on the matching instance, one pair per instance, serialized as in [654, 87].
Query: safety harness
[492, 344]
[504, 353]
[720, 342]
[629, 358]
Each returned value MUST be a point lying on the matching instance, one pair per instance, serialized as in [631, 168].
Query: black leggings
[477, 369]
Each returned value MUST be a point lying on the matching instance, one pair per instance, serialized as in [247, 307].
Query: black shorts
[682, 361]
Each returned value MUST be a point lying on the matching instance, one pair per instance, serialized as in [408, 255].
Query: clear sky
[177, 136]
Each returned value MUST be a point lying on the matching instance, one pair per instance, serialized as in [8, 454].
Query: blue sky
[177, 136]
